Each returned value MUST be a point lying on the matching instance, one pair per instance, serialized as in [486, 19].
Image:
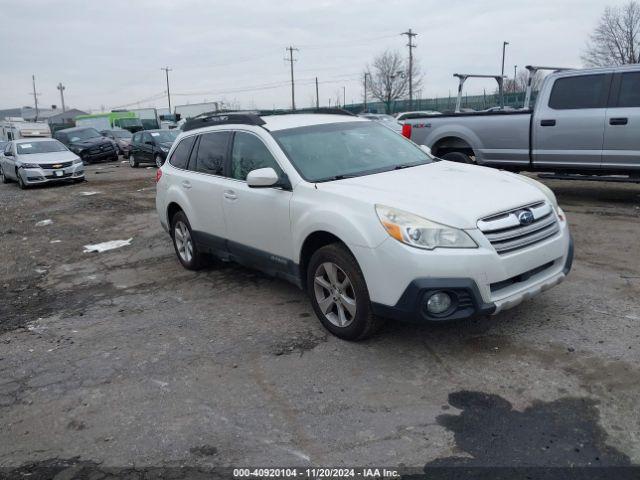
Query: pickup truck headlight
[419, 232]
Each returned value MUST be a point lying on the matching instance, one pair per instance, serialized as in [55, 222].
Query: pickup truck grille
[520, 227]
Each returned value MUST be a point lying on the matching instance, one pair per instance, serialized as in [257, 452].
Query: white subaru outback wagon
[367, 222]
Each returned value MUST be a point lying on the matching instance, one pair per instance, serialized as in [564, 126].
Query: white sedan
[39, 160]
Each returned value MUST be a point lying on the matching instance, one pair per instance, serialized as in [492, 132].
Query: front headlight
[419, 232]
[77, 161]
[29, 165]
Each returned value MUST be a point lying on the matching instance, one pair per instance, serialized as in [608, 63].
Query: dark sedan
[151, 146]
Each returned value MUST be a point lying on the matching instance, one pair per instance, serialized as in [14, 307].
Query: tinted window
[136, 138]
[147, 138]
[212, 150]
[180, 156]
[584, 91]
[629, 90]
[249, 153]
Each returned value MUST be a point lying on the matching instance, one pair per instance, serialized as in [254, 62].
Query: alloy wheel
[132, 161]
[184, 243]
[334, 294]
[158, 161]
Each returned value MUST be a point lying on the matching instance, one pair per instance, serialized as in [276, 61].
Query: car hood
[449, 193]
[52, 157]
[91, 142]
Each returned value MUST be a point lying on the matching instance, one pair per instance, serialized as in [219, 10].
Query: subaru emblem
[525, 217]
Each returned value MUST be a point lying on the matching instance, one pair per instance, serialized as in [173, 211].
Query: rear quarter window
[583, 91]
[629, 95]
[180, 156]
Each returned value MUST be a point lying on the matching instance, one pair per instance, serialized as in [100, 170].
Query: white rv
[13, 128]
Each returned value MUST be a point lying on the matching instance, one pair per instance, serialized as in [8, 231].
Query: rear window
[180, 156]
[629, 90]
[584, 91]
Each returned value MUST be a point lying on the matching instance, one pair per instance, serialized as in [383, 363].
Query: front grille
[51, 166]
[506, 233]
[55, 177]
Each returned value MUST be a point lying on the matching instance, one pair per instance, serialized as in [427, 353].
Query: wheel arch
[172, 209]
[312, 243]
[452, 143]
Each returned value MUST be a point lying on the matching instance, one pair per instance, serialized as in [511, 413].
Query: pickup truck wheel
[457, 157]
[184, 244]
[339, 295]
[132, 161]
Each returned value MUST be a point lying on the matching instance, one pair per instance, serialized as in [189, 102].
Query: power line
[290, 49]
[411, 46]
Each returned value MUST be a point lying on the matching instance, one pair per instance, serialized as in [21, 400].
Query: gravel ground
[124, 359]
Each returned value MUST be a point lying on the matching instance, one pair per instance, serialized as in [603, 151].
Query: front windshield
[40, 147]
[339, 150]
[122, 134]
[83, 134]
[165, 136]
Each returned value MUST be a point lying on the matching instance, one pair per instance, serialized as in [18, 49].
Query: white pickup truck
[584, 121]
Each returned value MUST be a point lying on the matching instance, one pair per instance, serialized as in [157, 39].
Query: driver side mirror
[263, 178]
[8, 154]
[426, 149]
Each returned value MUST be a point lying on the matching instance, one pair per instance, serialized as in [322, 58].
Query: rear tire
[457, 157]
[132, 161]
[159, 161]
[184, 244]
[339, 295]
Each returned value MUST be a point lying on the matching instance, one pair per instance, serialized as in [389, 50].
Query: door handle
[618, 121]
[547, 123]
[230, 195]
[186, 184]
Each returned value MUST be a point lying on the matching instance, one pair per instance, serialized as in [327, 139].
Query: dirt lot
[124, 359]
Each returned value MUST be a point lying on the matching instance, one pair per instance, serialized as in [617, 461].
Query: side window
[146, 138]
[629, 90]
[250, 153]
[180, 156]
[136, 138]
[582, 91]
[212, 151]
[7, 148]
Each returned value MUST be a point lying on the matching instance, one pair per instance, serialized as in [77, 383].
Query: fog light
[439, 302]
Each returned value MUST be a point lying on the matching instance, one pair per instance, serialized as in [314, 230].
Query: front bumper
[103, 155]
[400, 279]
[34, 176]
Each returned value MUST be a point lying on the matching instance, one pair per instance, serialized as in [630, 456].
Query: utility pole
[62, 88]
[290, 49]
[317, 95]
[515, 72]
[35, 95]
[411, 46]
[365, 91]
[504, 47]
[166, 71]
[344, 96]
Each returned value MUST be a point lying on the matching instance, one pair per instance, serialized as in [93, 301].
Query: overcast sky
[109, 53]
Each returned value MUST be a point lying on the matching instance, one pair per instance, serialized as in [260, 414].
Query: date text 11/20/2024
[315, 473]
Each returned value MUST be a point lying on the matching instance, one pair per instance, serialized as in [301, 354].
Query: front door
[622, 125]
[258, 222]
[568, 131]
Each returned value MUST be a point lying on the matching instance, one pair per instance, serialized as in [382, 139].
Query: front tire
[2, 176]
[339, 295]
[457, 157]
[21, 184]
[184, 244]
[132, 161]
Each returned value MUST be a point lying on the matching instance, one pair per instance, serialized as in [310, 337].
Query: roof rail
[212, 119]
[321, 110]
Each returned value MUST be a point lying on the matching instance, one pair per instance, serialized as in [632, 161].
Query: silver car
[39, 160]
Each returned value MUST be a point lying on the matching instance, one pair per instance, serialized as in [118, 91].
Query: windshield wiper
[336, 177]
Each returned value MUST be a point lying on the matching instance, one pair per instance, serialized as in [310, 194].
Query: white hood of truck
[449, 193]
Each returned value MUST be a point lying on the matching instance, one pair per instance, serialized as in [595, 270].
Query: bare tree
[519, 84]
[388, 78]
[616, 39]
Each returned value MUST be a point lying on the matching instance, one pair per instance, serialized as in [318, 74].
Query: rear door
[568, 130]
[622, 125]
[204, 185]
[146, 148]
[258, 222]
